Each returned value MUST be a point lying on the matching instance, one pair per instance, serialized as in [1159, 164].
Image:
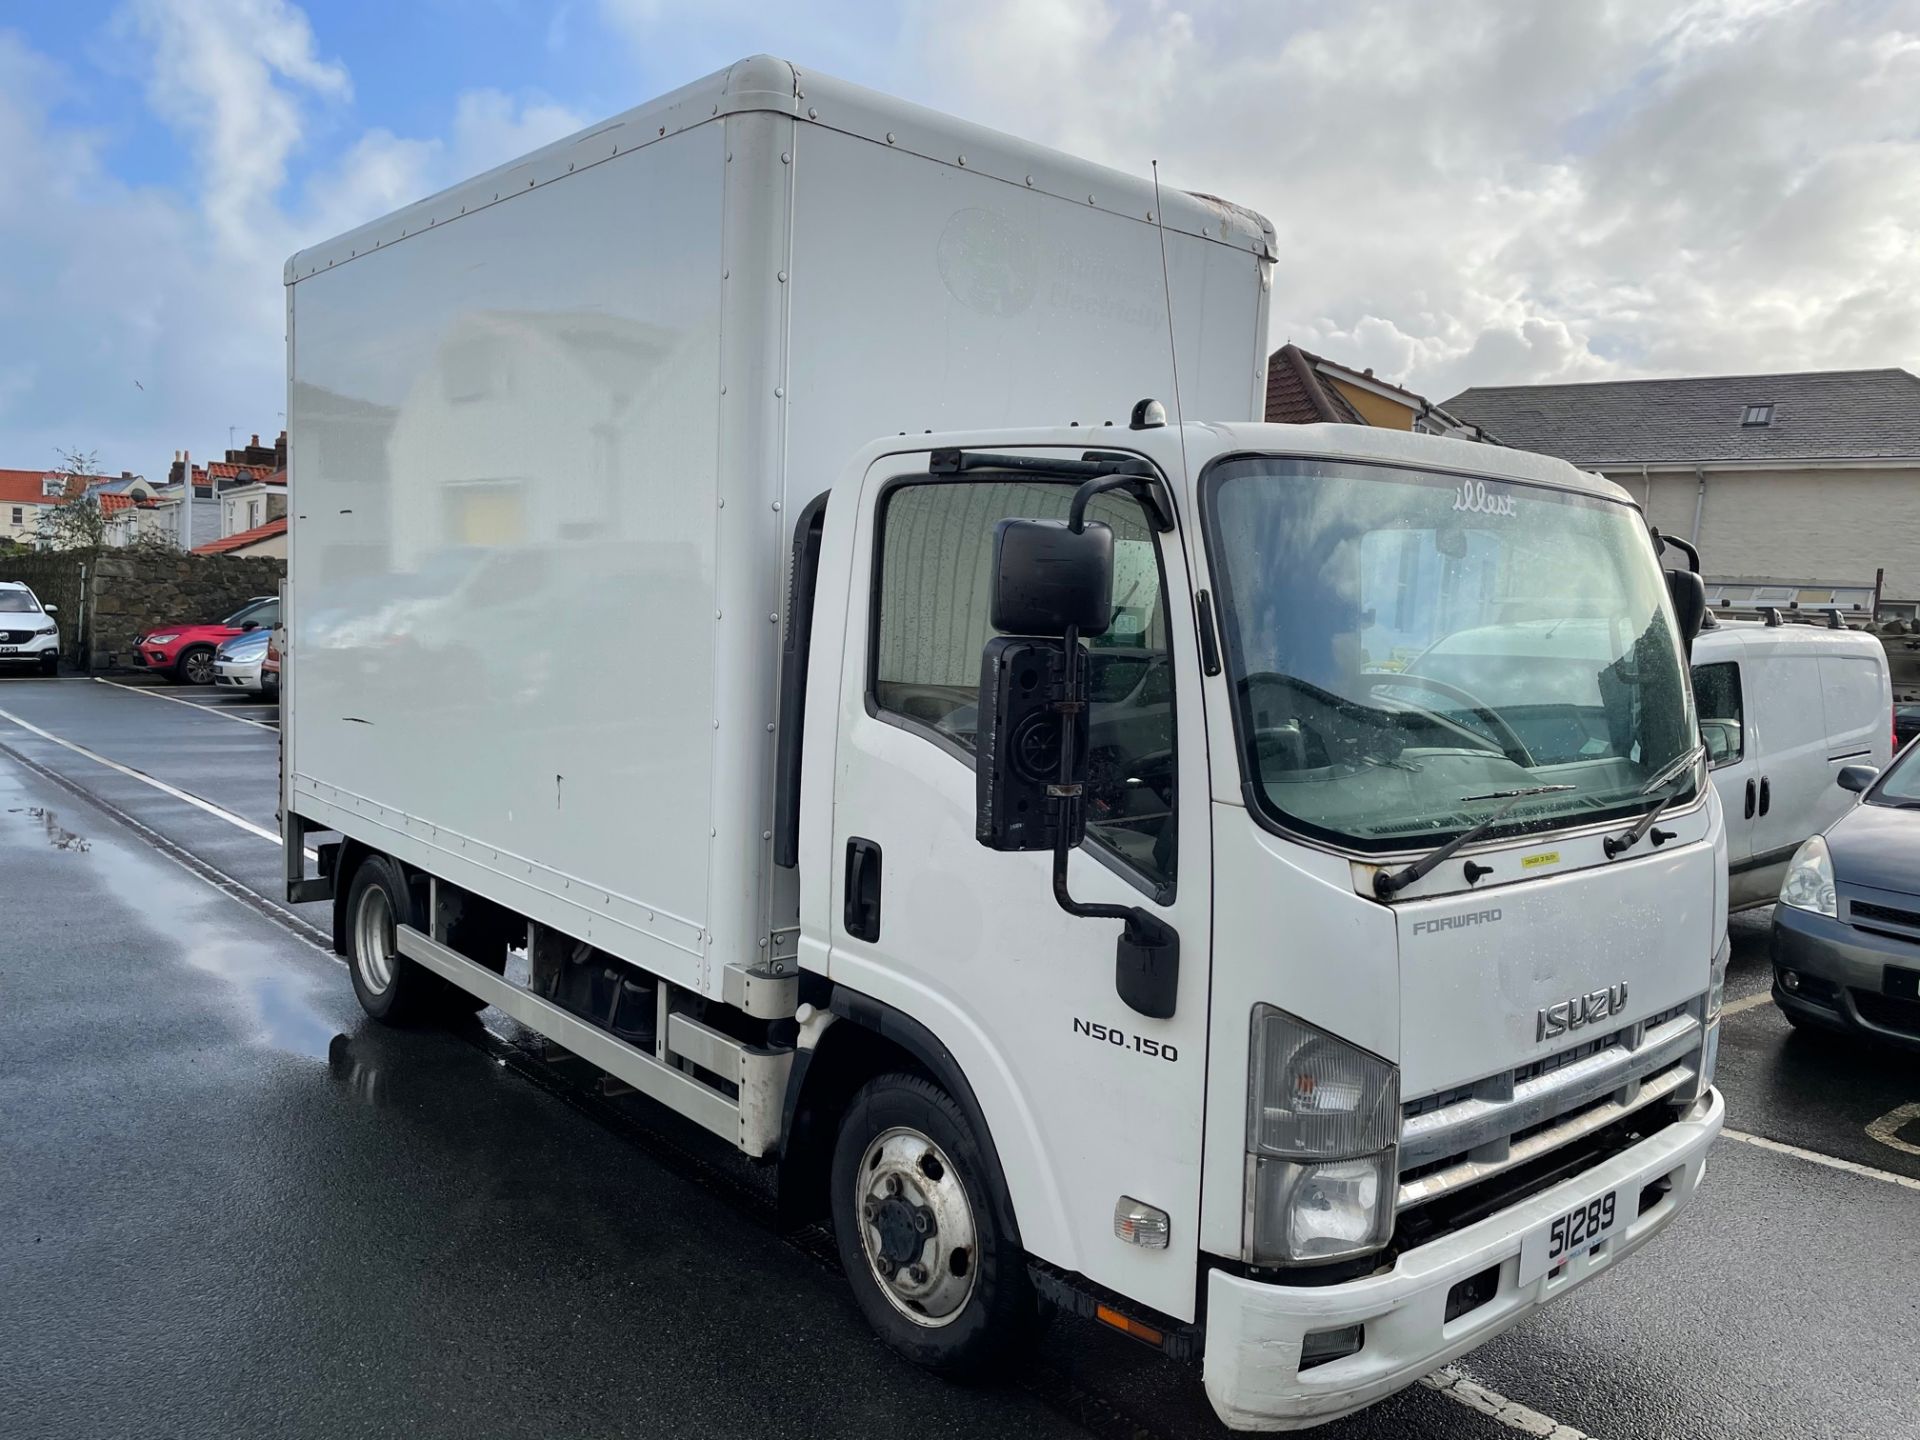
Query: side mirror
[50, 609]
[1689, 604]
[1048, 579]
[250, 625]
[1856, 777]
[1025, 687]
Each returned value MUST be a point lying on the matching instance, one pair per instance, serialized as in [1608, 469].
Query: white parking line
[1830, 1161]
[1745, 1002]
[145, 779]
[1453, 1382]
[1887, 1128]
[202, 706]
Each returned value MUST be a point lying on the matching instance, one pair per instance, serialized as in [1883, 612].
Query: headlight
[1319, 1212]
[1809, 882]
[48, 630]
[1717, 980]
[1323, 1125]
[160, 639]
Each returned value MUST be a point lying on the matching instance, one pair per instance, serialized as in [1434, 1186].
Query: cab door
[1086, 1101]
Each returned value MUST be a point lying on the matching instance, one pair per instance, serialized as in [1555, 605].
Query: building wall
[1375, 409]
[1796, 524]
[28, 526]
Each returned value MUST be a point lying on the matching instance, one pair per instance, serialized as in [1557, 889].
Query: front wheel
[917, 1214]
[50, 664]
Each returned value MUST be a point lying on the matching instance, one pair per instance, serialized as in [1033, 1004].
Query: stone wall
[58, 578]
[134, 591]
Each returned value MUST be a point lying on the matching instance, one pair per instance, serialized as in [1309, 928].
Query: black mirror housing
[1048, 578]
[1856, 778]
[1689, 604]
[1024, 687]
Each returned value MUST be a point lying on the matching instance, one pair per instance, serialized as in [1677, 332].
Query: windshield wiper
[1384, 884]
[1669, 774]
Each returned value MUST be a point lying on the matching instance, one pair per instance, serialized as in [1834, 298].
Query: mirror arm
[1147, 490]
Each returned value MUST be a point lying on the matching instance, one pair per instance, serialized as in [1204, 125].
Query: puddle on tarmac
[191, 921]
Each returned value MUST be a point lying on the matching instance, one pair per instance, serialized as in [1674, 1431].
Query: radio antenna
[1173, 350]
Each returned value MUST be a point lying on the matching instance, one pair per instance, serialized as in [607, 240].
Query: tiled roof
[244, 538]
[20, 487]
[225, 470]
[1821, 415]
[1296, 395]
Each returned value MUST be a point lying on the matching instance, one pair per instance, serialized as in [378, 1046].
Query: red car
[184, 653]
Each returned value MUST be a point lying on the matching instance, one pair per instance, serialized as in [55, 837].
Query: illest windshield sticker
[1474, 497]
[1545, 857]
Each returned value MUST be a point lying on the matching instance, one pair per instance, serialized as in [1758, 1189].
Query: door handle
[1750, 794]
[1766, 794]
[862, 914]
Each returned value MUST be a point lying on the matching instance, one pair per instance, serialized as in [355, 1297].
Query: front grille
[1901, 1016]
[1865, 915]
[1462, 1136]
[15, 637]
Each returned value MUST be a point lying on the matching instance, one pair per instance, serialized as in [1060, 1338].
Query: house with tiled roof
[29, 497]
[1306, 389]
[1801, 489]
[267, 539]
[251, 503]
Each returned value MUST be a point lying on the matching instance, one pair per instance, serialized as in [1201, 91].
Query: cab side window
[934, 591]
[1716, 691]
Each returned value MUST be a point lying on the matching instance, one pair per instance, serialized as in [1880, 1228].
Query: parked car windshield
[1900, 786]
[17, 602]
[1408, 649]
[261, 612]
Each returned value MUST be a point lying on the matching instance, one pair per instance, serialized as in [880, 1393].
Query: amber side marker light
[1127, 1325]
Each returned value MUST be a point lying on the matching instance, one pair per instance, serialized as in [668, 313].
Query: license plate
[9, 649]
[1563, 1237]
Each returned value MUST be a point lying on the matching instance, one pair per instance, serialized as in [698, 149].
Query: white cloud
[1471, 193]
[154, 319]
[1489, 192]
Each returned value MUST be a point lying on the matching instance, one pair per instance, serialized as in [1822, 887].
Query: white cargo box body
[549, 429]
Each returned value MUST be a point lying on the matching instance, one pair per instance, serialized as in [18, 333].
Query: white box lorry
[1246, 984]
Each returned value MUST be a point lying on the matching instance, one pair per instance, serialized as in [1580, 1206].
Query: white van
[1782, 708]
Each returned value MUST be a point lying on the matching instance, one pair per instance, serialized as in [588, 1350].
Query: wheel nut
[885, 1266]
[920, 1221]
[918, 1274]
[869, 1210]
[893, 1184]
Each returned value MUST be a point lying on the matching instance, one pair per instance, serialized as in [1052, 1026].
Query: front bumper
[1855, 975]
[27, 651]
[237, 675]
[1255, 1330]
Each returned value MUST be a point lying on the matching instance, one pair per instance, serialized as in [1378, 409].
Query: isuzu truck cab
[1073, 853]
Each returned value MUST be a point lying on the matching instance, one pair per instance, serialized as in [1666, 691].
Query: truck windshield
[1408, 649]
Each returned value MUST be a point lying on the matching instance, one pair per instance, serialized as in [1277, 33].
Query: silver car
[236, 664]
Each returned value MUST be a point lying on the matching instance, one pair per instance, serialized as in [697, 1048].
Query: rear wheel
[389, 986]
[195, 666]
[917, 1207]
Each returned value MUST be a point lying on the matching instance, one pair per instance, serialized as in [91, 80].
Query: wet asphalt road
[231, 1205]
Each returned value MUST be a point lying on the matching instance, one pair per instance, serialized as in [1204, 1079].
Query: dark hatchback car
[1846, 933]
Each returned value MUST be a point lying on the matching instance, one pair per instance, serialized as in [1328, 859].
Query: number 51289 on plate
[1567, 1235]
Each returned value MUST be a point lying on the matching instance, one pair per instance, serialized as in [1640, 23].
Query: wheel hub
[916, 1225]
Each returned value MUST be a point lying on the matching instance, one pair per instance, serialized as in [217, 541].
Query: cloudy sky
[1469, 192]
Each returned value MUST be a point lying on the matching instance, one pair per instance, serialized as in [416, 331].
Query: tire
[195, 666]
[50, 665]
[915, 1192]
[390, 987]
